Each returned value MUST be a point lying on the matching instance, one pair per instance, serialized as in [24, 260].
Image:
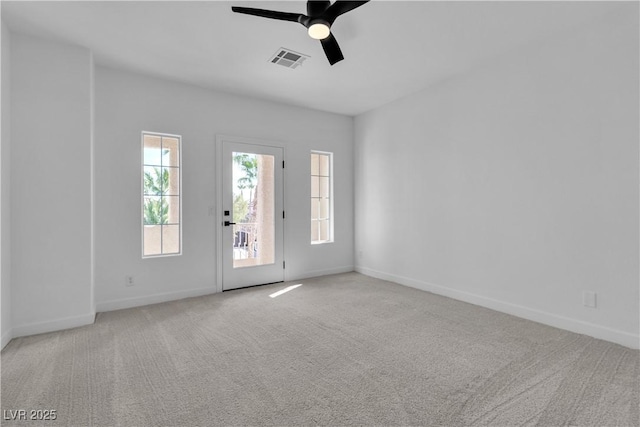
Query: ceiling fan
[319, 18]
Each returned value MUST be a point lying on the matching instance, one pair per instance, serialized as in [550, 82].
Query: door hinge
[283, 164]
[282, 214]
[282, 264]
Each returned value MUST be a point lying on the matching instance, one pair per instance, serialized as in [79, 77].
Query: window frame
[330, 208]
[142, 167]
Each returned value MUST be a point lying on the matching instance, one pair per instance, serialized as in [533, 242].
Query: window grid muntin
[175, 165]
[321, 190]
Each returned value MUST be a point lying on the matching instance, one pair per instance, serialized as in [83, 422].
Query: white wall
[127, 104]
[50, 185]
[515, 185]
[5, 218]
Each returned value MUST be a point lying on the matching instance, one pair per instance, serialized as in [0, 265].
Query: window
[161, 200]
[321, 197]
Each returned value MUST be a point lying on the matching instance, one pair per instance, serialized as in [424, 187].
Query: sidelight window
[321, 197]
[161, 195]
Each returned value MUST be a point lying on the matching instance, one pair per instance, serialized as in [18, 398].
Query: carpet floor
[339, 350]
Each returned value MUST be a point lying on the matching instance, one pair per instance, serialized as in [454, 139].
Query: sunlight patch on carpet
[282, 291]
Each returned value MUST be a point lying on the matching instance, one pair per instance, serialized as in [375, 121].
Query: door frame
[220, 140]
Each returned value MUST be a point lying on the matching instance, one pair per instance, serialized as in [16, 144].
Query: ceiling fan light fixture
[319, 30]
[321, 15]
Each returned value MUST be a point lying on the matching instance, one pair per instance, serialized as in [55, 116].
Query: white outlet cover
[589, 299]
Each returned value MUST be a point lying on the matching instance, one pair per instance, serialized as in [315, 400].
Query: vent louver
[288, 58]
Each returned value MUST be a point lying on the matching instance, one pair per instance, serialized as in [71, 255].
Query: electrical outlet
[589, 299]
[128, 281]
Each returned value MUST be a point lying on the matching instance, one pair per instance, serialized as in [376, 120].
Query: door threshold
[252, 286]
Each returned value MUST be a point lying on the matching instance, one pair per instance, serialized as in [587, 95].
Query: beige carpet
[338, 350]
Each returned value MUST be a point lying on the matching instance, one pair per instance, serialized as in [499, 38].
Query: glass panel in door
[253, 209]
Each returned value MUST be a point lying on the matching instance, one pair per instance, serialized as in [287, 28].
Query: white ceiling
[391, 48]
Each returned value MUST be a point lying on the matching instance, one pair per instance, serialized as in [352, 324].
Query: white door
[252, 231]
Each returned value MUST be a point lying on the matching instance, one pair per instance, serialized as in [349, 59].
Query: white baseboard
[8, 336]
[53, 325]
[601, 332]
[317, 273]
[152, 299]
[172, 296]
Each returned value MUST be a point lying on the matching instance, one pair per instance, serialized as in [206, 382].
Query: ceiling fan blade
[317, 7]
[331, 49]
[272, 14]
[341, 7]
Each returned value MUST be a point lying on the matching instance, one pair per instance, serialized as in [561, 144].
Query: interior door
[252, 215]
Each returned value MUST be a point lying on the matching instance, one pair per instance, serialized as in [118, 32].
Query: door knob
[227, 223]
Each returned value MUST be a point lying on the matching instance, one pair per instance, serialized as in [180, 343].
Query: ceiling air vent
[288, 58]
